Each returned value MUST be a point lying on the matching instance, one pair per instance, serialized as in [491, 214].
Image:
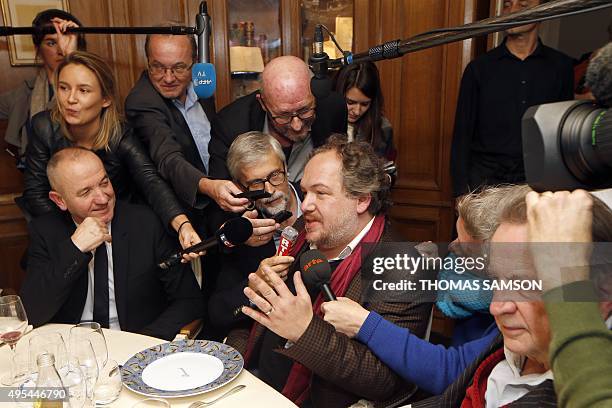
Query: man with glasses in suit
[167, 115]
[285, 108]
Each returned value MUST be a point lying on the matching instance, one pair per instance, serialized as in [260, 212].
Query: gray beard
[272, 211]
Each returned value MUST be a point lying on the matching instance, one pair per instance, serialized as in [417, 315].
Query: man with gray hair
[285, 108]
[256, 162]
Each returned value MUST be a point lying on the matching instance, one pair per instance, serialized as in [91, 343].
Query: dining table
[123, 345]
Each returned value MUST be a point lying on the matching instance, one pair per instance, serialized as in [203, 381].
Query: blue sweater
[428, 366]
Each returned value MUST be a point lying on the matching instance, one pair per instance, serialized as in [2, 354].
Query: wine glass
[92, 332]
[13, 323]
[13, 320]
[81, 351]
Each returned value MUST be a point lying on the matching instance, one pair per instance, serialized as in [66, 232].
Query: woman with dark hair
[86, 114]
[36, 94]
[360, 85]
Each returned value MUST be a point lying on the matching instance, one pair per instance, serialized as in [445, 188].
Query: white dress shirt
[351, 245]
[87, 315]
[506, 384]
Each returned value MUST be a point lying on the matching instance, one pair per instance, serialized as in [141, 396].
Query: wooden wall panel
[420, 92]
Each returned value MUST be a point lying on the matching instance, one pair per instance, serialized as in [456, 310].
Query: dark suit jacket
[542, 395]
[149, 300]
[246, 114]
[345, 370]
[162, 127]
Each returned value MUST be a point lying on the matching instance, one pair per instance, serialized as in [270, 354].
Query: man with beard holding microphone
[256, 162]
[290, 346]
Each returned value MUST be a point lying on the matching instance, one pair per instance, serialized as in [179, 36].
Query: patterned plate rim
[131, 371]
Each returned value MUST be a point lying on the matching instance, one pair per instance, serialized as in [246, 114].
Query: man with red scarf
[290, 346]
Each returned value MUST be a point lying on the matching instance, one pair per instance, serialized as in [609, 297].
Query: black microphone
[320, 83]
[316, 272]
[233, 232]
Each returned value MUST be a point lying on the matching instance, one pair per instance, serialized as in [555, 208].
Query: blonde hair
[479, 210]
[110, 117]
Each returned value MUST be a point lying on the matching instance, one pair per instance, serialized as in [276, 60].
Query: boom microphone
[234, 232]
[203, 73]
[316, 272]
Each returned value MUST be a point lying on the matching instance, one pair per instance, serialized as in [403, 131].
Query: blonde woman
[86, 114]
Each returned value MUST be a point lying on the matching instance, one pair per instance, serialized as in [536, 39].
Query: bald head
[63, 163]
[286, 94]
[286, 80]
[79, 185]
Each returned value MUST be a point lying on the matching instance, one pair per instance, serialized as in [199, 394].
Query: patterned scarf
[297, 387]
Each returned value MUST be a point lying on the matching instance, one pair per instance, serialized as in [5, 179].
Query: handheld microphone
[233, 232]
[287, 240]
[317, 272]
[203, 73]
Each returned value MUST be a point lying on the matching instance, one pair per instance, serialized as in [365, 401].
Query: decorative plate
[181, 368]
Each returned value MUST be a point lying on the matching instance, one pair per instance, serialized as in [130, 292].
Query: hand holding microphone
[279, 263]
[234, 232]
[316, 272]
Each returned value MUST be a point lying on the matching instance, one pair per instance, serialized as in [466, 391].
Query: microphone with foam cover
[234, 232]
[316, 272]
[203, 73]
[204, 79]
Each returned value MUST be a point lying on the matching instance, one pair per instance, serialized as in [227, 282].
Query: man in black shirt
[496, 90]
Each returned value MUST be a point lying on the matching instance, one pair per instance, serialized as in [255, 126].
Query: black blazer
[246, 114]
[542, 395]
[163, 129]
[149, 300]
[126, 162]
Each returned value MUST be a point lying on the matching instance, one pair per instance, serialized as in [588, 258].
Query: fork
[199, 404]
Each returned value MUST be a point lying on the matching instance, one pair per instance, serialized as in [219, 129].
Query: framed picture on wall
[20, 13]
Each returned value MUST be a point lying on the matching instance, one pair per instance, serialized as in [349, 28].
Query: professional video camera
[568, 145]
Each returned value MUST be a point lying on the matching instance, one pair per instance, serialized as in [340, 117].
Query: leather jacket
[131, 171]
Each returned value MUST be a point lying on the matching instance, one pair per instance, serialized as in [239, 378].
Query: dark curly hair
[362, 171]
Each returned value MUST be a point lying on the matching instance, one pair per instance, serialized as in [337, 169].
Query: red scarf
[475, 394]
[297, 386]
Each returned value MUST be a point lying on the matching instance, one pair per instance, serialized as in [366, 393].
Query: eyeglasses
[283, 120]
[159, 70]
[276, 178]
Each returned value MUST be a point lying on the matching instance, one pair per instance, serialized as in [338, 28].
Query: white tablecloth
[123, 345]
